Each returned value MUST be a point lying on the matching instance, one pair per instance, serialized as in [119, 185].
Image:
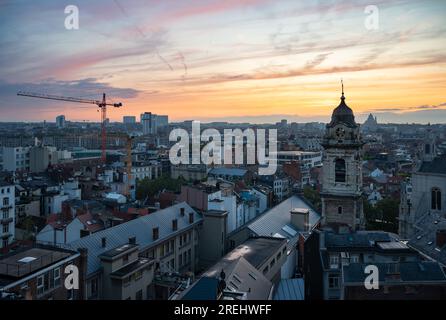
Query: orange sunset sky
[253, 60]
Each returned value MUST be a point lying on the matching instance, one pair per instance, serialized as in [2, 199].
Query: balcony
[6, 220]
[4, 207]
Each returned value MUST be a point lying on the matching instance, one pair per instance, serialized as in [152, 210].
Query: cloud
[14, 107]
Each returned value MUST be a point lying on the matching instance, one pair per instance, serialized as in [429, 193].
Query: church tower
[342, 174]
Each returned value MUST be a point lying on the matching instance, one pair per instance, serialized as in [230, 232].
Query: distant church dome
[343, 113]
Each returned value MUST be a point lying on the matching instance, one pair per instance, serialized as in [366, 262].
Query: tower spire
[342, 85]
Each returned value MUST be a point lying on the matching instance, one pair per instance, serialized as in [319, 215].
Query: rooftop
[254, 250]
[437, 165]
[140, 228]
[228, 171]
[290, 289]
[25, 261]
[276, 222]
[403, 273]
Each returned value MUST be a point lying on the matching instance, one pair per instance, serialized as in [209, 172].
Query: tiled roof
[438, 165]
[140, 228]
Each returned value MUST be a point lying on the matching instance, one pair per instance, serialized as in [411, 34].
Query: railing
[20, 269]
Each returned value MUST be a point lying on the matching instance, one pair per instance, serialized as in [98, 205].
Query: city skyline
[251, 61]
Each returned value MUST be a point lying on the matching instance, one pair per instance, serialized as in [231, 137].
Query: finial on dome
[342, 84]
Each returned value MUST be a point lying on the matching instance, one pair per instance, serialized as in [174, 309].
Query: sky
[225, 60]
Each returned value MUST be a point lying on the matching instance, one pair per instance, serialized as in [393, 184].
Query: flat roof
[19, 264]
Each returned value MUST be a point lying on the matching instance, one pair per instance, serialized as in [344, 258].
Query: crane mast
[101, 104]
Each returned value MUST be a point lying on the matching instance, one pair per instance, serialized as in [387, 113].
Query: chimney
[104, 242]
[155, 233]
[191, 217]
[441, 238]
[132, 240]
[300, 218]
[182, 212]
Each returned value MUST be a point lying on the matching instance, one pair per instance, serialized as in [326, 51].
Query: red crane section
[101, 104]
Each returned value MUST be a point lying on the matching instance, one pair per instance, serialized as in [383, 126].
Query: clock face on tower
[340, 132]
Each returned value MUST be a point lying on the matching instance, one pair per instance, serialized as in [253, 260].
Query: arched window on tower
[436, 199]
[339, 170]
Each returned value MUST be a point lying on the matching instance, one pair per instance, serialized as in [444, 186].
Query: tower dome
[343, 113]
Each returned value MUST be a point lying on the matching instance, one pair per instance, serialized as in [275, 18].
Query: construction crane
[102, 105]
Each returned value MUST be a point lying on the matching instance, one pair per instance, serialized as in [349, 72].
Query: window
[339, 210]
[339, 170]
[138, 275]
[94, 286]
[354, 259]
[40, 285]
[265, 271]
[436, 199]
[5, 214]
[6, 201]
[272, 263]
[334, 261]
[6, 228]
[125, 259]
[56, 274]
[139, 295]
[333, 282]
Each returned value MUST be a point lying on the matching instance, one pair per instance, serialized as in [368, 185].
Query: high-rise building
[342, 172]
[129, 119]
[147, 123]
[60, 121]
[151, 122]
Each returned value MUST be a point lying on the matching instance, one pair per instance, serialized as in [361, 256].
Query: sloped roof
[141, 228]
[290, 289]
[437, 165]
[278, 219]
[424, 239]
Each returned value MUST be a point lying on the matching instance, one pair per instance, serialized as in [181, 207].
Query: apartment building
[7, 215]
[334, 267]
[165, 242]
[16, 158]
[39, 273]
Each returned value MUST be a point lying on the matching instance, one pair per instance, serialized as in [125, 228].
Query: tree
[313, 196]
[150, 188]
[383, 216]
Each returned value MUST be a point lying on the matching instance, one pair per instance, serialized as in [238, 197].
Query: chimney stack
[104, 242]
[300, 218]
[174, 225]
[155, 233]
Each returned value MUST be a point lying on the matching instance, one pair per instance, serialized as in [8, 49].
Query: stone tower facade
[341, 193]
